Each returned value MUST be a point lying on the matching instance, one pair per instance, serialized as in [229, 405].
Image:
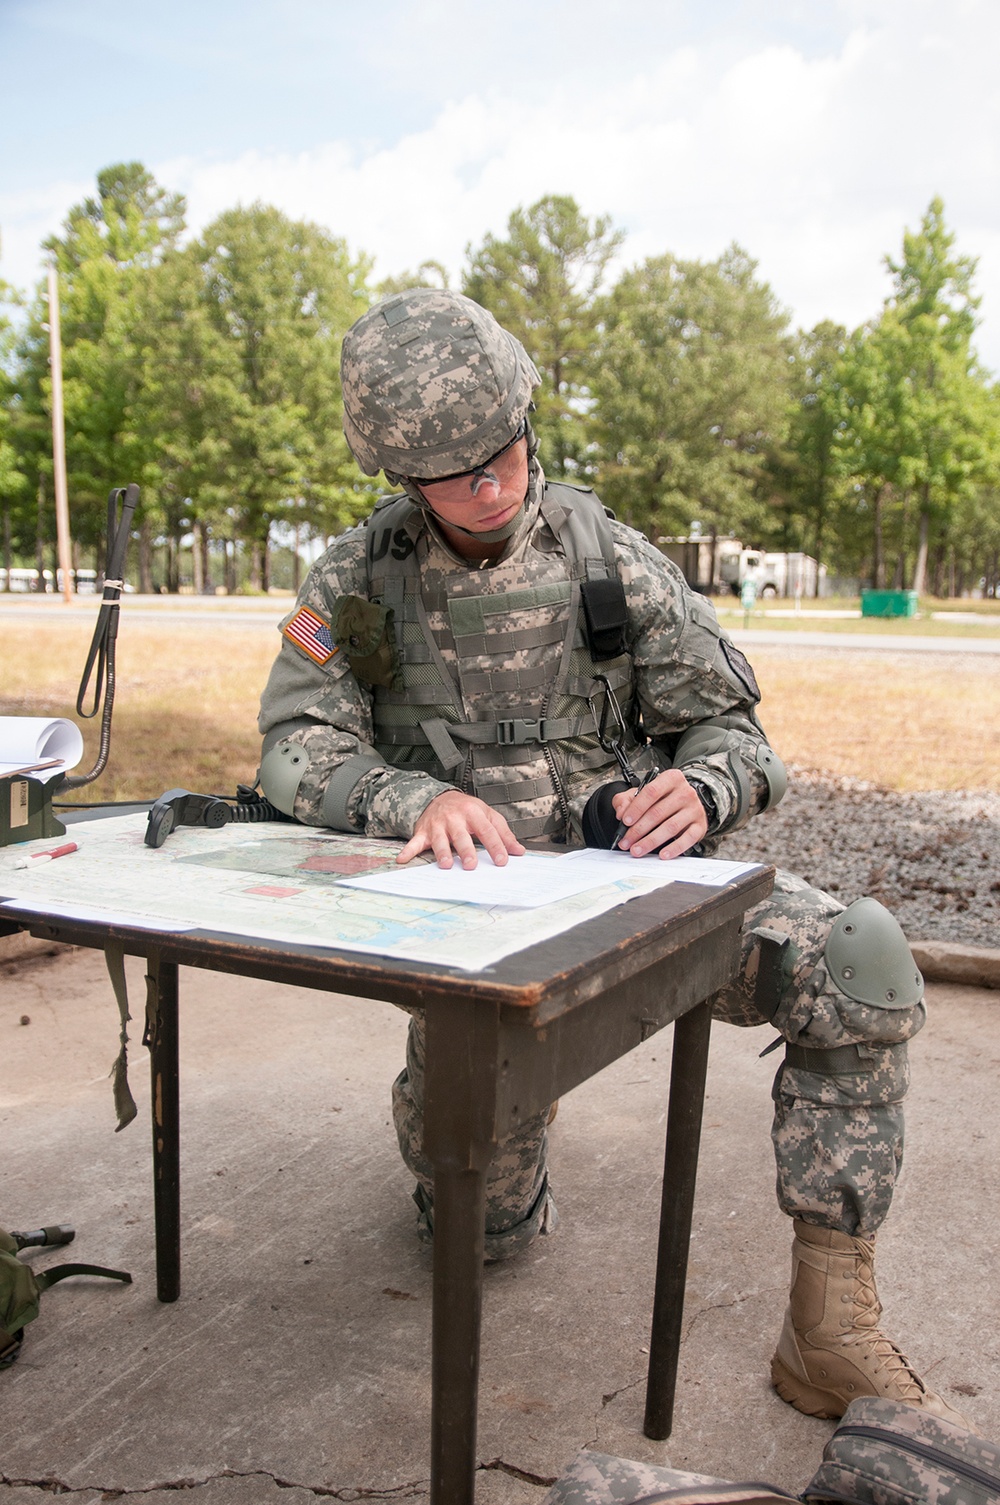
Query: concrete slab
[296, 1363]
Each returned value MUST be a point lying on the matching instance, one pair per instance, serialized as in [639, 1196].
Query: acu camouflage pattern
[432, 385]
[678, 676]
[485, 651]
[837, 1138]
[601, 1479]
[917, 1459]
[518, 1204]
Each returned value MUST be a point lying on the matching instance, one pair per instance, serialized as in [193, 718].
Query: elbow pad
[282, 769]
[285, 764]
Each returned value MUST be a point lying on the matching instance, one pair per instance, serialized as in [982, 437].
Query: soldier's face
[485, 498]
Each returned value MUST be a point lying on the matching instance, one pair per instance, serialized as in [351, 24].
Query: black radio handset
[179, 807]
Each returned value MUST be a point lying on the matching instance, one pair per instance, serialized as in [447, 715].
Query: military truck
[719, 566]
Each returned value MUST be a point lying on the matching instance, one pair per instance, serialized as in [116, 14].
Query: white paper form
[711, 871]
[530, 881]
[26, 741]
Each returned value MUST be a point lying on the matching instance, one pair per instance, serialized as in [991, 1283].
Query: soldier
[434, 683]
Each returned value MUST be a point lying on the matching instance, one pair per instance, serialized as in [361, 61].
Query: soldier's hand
[667, 813]
[453, 823]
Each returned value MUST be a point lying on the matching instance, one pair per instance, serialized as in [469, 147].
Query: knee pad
[869, 960]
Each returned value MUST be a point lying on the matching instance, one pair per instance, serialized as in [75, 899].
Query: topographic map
[283, 883]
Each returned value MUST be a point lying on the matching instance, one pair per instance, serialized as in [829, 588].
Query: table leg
[459, 1214]
[162, 1038]
[460, 1084]
[688, 1069]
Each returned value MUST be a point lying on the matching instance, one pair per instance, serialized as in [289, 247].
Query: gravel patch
[933, 859]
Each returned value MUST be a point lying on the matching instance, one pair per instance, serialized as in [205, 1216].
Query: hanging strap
[46, 1278]
[125, 1108]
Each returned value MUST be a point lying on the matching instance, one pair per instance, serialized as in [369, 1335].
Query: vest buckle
[516, 733]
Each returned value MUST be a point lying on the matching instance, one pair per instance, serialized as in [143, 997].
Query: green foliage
[110, 245]
[13, 482]
[806, 482]
[279, 296]
[691, 388]
[428, 274]
[916, 413]
[210, 374]
[542, 283]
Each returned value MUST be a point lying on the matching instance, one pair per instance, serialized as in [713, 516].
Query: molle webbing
[514, 696]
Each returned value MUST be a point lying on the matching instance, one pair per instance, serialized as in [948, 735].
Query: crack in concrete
[614, 1394]
[605, 1402]
[347, 1492]
[544, 1481]
[724, 1306]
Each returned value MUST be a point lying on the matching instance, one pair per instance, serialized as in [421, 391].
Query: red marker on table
[49, 856]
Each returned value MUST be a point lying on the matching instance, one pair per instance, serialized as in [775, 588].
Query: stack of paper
[39, 745]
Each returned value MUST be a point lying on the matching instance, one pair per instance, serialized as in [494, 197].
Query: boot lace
[890, 1363]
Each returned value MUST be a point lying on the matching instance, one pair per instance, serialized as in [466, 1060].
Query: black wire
[102, 646]
[96, 804]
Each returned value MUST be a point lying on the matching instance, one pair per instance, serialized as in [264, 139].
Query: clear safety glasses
[498, 470]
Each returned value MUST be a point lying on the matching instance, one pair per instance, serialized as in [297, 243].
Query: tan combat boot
[831, 1349]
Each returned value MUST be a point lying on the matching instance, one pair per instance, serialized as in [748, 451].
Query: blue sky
[812, 134]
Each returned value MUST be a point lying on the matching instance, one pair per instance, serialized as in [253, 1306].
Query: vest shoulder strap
[576, 516]
[582, 524]
[392, 532]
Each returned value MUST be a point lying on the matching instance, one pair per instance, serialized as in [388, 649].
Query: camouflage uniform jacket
[504, 640]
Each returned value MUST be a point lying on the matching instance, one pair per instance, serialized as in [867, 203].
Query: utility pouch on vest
[606, 616]
[363, 631]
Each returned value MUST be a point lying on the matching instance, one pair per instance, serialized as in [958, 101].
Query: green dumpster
[888, 603]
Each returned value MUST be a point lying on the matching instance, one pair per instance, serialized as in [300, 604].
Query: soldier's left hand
[453, 823]
[666, 813]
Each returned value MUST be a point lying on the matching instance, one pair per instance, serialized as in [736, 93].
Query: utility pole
[59, 439]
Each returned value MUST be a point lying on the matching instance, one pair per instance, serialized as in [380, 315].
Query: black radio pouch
[606, 616]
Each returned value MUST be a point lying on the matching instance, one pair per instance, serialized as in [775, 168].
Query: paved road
[223, 611]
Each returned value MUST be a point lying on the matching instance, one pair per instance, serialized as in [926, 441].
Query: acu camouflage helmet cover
[432, 385]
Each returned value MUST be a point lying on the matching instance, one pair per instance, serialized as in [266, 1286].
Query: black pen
[622, 827]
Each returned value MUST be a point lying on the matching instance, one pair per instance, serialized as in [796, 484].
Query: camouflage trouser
[838, 1137]
[518, 1204]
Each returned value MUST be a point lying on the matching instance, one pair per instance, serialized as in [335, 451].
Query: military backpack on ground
[887, 1453]
[20, 1286]
[882, 1453]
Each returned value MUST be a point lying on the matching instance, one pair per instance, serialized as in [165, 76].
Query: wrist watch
[707, 804]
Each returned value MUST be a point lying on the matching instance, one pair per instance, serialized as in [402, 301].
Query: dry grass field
[186, 697]
[186, 704]
[906, 721]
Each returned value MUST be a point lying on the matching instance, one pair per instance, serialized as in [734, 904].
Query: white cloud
[813, 163]
[26, 219]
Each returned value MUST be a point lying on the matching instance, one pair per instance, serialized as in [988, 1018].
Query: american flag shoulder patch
[307, 630]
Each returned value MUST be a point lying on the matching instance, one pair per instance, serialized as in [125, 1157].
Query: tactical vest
[497, 664]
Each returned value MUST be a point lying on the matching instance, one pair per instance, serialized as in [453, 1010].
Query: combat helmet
[432, 386]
